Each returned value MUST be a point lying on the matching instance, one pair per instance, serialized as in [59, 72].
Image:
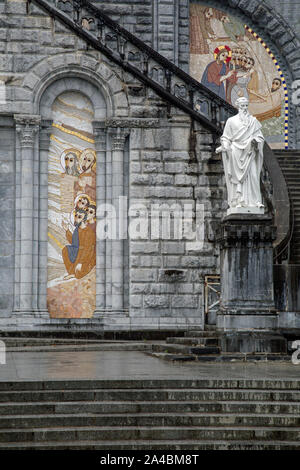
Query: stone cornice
[27, 119]
[249, 233]
[130, 123]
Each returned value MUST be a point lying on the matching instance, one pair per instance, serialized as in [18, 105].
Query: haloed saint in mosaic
[72, 209]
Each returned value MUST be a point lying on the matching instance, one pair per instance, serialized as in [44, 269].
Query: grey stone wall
[167, 276]
[162, 24]
[134, 15]
[7, 201]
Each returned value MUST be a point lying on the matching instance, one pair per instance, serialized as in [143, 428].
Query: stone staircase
[194, 345]
[290, 165]
[208, 414]
[205, 346]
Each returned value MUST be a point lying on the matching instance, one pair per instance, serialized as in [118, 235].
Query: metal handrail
[198, 101]
[286, 242]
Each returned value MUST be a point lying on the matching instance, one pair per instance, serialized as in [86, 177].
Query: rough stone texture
[246, 264]
[247, 308]
[289, 9]
[7, 230]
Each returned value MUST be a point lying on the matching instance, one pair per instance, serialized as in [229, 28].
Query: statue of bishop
[242, 153]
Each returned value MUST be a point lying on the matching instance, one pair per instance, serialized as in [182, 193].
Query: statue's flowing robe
[242, 162]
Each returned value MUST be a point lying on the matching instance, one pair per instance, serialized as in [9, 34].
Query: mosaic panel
[72, 209]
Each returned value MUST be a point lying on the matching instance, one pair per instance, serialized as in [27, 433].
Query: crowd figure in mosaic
[230, 61]
[80, 255]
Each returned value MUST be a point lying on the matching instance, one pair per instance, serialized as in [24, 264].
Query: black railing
[148, 66]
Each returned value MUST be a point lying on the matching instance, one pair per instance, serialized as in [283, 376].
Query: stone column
[27, 127]
[247, 316]
[41, 238]
[100, 135]
[118, 137]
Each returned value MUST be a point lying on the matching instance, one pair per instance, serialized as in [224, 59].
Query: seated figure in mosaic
[80, 256]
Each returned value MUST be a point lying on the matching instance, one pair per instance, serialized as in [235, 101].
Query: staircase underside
[290, 166]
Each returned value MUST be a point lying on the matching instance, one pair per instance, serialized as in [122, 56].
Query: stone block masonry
[8, 210]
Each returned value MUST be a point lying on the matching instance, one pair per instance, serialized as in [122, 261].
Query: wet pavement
[98, 365]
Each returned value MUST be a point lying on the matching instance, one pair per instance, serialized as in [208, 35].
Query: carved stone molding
[131, 123]
[100, 132]
[26, 127]
[245, 233]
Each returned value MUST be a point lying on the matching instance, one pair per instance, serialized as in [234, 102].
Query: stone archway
[46, 81]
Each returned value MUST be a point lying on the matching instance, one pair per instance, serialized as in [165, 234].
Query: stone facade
[147, 151]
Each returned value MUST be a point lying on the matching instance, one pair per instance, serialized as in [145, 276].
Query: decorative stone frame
[47, 81]
[281, 39]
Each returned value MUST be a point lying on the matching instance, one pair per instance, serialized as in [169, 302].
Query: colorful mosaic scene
[72, 209]
[231, 60]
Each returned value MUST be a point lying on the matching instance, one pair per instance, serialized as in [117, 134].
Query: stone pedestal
[247, 316]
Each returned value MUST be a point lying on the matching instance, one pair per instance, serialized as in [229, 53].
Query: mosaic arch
[72, 209]
[229, 58]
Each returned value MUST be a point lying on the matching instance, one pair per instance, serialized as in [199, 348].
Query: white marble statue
[242, 152]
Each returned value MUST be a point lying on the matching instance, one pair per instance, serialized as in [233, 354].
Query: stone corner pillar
[100, 135]
[247, 317]
[27, 127]
[110, 143]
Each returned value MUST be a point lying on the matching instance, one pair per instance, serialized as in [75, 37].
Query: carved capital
[27, 126]
[118, 137]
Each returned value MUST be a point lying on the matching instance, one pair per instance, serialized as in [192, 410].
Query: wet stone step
[204, 341]
[182, 349]
[146, 384]
[104, 433]
[150, 419]
[222, 444]
[226, 357]
[152, 395]
[200, 334]
[114, 407]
